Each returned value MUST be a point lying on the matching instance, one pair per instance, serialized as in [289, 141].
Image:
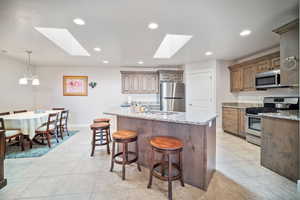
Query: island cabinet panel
[199, 151]
[2, 156]
[280, 146]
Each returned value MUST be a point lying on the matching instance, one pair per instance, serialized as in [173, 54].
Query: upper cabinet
[235, 79]
[242, 75]
[139, 82]
[171, 75]
[289, 53]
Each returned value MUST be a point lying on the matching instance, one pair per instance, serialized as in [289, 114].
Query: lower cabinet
[233, 120]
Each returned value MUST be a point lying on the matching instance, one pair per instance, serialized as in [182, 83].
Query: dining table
[27, 122]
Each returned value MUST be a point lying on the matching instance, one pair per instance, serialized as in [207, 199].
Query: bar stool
[124, 137]
[101, 134]
[166, 146]
[106, 120]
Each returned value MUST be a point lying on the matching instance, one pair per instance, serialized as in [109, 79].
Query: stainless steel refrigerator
[172, 96]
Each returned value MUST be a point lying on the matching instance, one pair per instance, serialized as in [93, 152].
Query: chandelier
[28, 76]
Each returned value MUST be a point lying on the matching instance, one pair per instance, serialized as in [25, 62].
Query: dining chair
[12, 134]
[4, 113]
[62, 125]
[20, 111]
[48, 129]
[58, 108]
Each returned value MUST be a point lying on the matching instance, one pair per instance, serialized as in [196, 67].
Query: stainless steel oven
[270, 79]
[253, 124]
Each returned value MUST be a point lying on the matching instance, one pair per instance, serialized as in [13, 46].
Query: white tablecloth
[28, 122]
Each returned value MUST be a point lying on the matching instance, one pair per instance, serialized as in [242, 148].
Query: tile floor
[69, 173]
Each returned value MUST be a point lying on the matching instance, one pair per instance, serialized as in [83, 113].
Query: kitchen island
[196, 130]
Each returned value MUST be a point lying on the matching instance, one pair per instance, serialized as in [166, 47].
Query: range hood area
[289, 54]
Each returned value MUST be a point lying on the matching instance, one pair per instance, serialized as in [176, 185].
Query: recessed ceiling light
[97, 49]
[245, 33]
[105, 61]
[141, 62]
[152, 25]
[170, 45]
[64, 39]
[79, 21]
[208, 53]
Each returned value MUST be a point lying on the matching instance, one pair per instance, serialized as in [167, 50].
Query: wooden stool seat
[124, 135]
[166, 143]
[99, 125]
[168, 147]
[124, 138]
[101, 136]
[99, 120]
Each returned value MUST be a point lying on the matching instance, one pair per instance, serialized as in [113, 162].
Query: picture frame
[75, 85]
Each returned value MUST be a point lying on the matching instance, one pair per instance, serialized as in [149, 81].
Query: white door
[200, 91]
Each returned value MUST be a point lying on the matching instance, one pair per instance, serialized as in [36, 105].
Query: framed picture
[75, 85]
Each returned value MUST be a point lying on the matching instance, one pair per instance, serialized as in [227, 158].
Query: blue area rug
[37, 149]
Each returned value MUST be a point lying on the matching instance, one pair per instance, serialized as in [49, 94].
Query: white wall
[223, 88]
[83, 109]
[14, 96]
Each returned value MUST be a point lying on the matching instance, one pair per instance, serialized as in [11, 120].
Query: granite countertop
[291, 115]
[177, 117]
[241, 105]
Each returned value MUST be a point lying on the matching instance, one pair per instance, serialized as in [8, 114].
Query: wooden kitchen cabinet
[289, 53]
[242, 75]
[135, 82]
[236, 80]
[249, 73]
[171, 75]
[233, 120]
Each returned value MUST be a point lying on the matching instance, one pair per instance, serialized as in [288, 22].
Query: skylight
[170, 45]
[64, 39]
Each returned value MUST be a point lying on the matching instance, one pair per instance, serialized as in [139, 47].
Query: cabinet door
[275, 63]
[126, 85]
[289, 47]
[249, 73]
[151, 83]
[230, 120]
[235, 80]
[263, 66]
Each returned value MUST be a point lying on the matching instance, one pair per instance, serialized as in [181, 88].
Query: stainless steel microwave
[270, 79]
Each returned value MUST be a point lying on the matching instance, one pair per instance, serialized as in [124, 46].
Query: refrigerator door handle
[173, 98]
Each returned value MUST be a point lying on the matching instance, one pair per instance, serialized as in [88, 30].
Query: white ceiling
[119, 27]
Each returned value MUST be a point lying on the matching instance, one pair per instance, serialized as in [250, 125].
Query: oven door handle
[254, 116]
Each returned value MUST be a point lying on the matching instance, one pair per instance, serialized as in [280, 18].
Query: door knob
[190, 104]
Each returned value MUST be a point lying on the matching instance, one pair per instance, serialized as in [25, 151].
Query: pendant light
[28, 76]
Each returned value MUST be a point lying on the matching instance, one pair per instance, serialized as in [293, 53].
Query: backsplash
[258, 96]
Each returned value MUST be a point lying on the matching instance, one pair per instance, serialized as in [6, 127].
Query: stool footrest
[120, 154]
[165, 166]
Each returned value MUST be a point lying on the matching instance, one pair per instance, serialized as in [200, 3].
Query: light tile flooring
[69, 173]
